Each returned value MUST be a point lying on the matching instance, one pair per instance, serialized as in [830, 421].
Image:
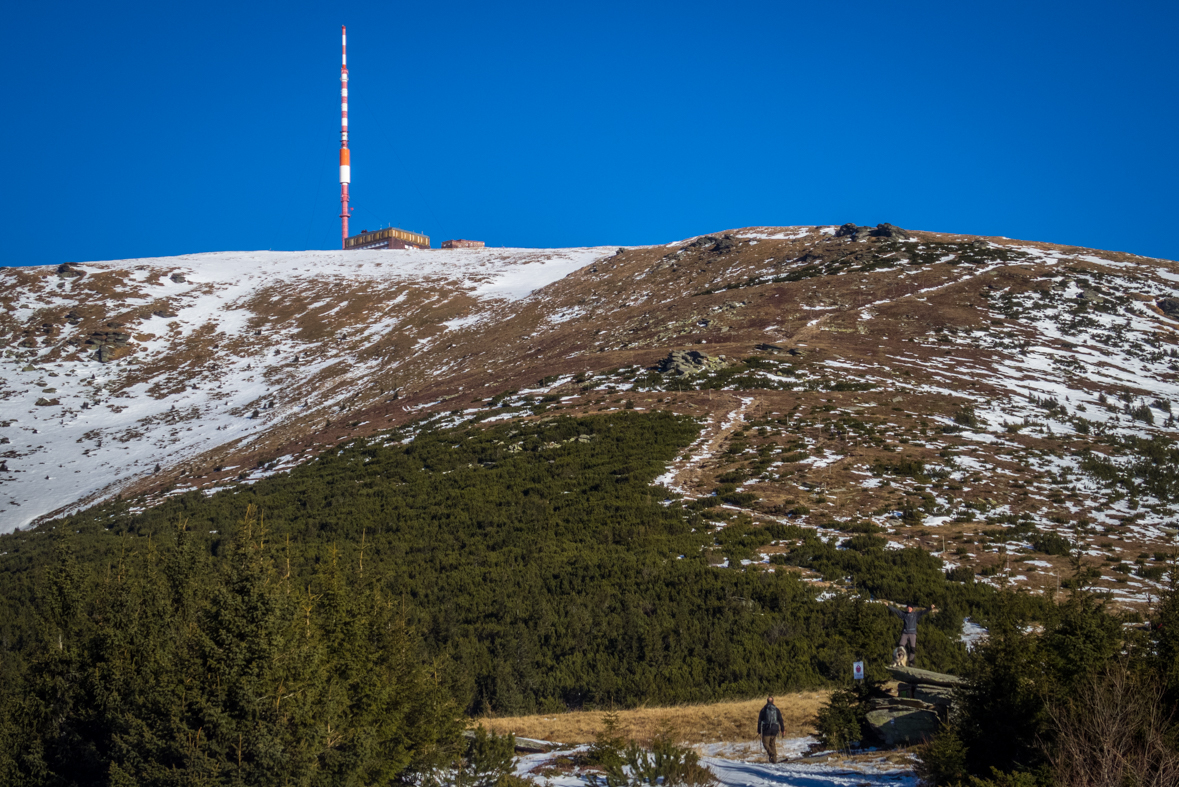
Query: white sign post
[858, 670]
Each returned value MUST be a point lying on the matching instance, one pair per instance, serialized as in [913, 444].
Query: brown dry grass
[717, 722]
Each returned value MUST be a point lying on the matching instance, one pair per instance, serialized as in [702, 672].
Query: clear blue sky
[142, 129]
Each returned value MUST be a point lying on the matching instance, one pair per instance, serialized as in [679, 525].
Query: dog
[900, 657]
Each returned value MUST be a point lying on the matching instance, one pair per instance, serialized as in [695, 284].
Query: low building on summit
[390, 238]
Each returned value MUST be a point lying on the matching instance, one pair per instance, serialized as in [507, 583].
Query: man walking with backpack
[769, 727]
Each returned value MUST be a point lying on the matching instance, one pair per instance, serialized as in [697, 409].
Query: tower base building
[390, 238]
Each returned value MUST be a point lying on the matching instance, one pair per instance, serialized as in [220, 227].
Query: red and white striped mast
[345, 164]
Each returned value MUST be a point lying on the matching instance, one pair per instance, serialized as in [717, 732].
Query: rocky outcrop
[912, 706]
[722, 245]
[923, 677]
[902, 726]
[107, 342]
[887, 230]
[682, 363]
[1090, 295]
[884, 230]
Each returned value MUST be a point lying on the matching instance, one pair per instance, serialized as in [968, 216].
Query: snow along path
[764, 774]
[739, 773]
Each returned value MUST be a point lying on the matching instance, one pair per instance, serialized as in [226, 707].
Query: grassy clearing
[705, 723]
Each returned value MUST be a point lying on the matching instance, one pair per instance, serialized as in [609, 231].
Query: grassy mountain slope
[997, 402]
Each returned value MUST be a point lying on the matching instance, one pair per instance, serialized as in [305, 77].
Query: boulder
[67, 271]
[923, 677]
[1091, 296]
[903, 726]
[887, 230]
[43, 402]
[107, 342]
[1170, 306]
[165, 313]
[721, 245]
[938, 696]
[898, 703]
[178, 278]
[724, 245]
[681, 363]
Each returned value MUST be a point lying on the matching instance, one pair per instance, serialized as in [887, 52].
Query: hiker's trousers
[770, 742]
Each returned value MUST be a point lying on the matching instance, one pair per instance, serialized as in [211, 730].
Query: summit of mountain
[986, 398]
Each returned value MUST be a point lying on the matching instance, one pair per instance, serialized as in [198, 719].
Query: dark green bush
[961, 574]
[1051, 544]
[664, 763]
[488, 761]
[942, 761]
[966, 417]
[739, 499]
[905, 466]
[860, 526]
[865, 542]
[840, 719]
[1153, 573]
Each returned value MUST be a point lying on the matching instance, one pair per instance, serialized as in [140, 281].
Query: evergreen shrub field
[334, 624]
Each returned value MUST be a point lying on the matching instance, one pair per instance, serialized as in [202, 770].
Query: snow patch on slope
[112, 426]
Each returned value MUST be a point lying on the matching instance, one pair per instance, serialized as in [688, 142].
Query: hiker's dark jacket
[910, 618]
[769, 721]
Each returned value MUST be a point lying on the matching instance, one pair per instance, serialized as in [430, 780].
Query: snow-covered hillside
[219, 349]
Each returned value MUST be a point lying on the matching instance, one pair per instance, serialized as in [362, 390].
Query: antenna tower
[345, 164]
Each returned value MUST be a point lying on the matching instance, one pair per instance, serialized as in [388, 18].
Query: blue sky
[146, 129]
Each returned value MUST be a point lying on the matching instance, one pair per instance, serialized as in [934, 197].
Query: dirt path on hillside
[682, 474]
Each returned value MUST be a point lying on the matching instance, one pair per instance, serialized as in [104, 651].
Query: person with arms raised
[910, 617]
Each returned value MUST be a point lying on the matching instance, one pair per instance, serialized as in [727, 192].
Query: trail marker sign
[858, 670]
